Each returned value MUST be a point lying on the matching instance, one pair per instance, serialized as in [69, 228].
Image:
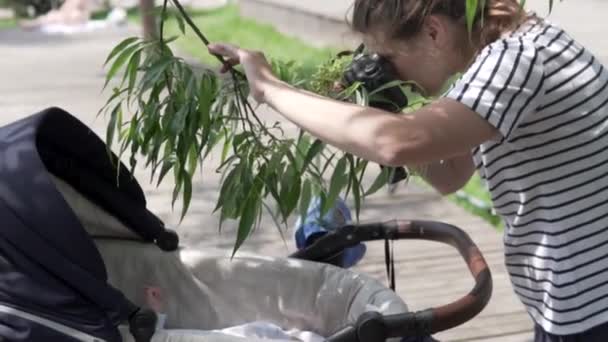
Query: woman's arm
[450, 175]
[442, 130]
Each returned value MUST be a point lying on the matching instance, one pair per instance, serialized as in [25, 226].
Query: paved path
[40, 71]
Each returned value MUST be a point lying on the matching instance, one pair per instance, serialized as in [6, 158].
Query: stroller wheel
[168, 240]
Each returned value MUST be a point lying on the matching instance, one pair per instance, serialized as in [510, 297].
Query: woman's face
[430, 57]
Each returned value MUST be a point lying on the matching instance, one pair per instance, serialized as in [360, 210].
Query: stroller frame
[71, 268]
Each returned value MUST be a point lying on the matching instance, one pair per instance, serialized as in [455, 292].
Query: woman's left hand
[257, 69]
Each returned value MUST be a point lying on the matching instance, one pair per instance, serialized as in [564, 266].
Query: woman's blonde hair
[401, 19]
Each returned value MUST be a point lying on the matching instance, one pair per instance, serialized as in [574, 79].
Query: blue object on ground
[313, 226]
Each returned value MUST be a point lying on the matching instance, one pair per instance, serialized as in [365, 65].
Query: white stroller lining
[205, 290]
[257, 331]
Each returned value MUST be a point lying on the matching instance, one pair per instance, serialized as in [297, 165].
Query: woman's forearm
[447, 176]
[365, 132]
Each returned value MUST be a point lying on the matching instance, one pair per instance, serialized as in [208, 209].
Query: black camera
[375, 71]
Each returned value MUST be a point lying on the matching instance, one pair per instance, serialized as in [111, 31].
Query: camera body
[375, 71]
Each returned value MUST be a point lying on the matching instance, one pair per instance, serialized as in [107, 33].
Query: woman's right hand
[257, 69]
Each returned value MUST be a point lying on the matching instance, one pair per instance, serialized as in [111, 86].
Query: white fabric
[94, 219]
[256, 330]
[269, 331]
[208, 291]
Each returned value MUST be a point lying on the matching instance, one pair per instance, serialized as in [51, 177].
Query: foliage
[164, 110]
[174, 116]
[7, 23]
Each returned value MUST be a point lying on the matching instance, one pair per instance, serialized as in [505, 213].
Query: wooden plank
[489, 326]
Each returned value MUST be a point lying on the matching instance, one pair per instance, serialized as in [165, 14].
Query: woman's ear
[435, 28]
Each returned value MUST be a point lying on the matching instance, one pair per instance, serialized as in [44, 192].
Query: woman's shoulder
[536, 33]
[536, 37]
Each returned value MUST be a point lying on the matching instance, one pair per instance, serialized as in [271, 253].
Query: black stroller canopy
[49, 264]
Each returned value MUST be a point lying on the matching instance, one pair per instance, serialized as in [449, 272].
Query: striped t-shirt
[548, 174]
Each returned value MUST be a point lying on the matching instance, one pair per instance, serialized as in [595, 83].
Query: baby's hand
[154, 298]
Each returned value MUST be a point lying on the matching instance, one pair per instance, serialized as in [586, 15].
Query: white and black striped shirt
[548, 174]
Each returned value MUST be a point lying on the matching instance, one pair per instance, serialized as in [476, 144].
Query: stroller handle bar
[373, 326]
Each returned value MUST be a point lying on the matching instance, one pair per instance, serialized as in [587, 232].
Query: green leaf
[180, 23]
[248, 215]
[301, 150]
[178, 121]
[271, 186]
[155, 71]
[240, 138]
[380, 181]
[328, 162]
[471, 13]
[352, 173]
[305, 197]
[356, 168]
[112, 125]
[226, 148]
[207, 94]
[193, 157]
[288, 180]
[131, 136]
[357, 196]
[121, 46]
[132, 70]
[337, 182]
[177, 171]
[167, 166]
[115, 94]
[316, 148]
[119, 62]
[187, 195]
[227, 187]
[294, 195]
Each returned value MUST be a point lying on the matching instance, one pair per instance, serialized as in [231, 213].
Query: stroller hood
[50, 265]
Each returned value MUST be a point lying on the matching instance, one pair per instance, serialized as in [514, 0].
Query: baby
[259, 330]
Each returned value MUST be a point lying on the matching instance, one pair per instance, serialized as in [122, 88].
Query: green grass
[226, 25]
[476, 188]
[7, 23]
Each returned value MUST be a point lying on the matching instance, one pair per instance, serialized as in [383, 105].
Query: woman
[529, 113]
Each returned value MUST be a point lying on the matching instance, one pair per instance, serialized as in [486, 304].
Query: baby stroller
[76, 245]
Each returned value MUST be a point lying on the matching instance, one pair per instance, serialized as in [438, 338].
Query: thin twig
[201, 36]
